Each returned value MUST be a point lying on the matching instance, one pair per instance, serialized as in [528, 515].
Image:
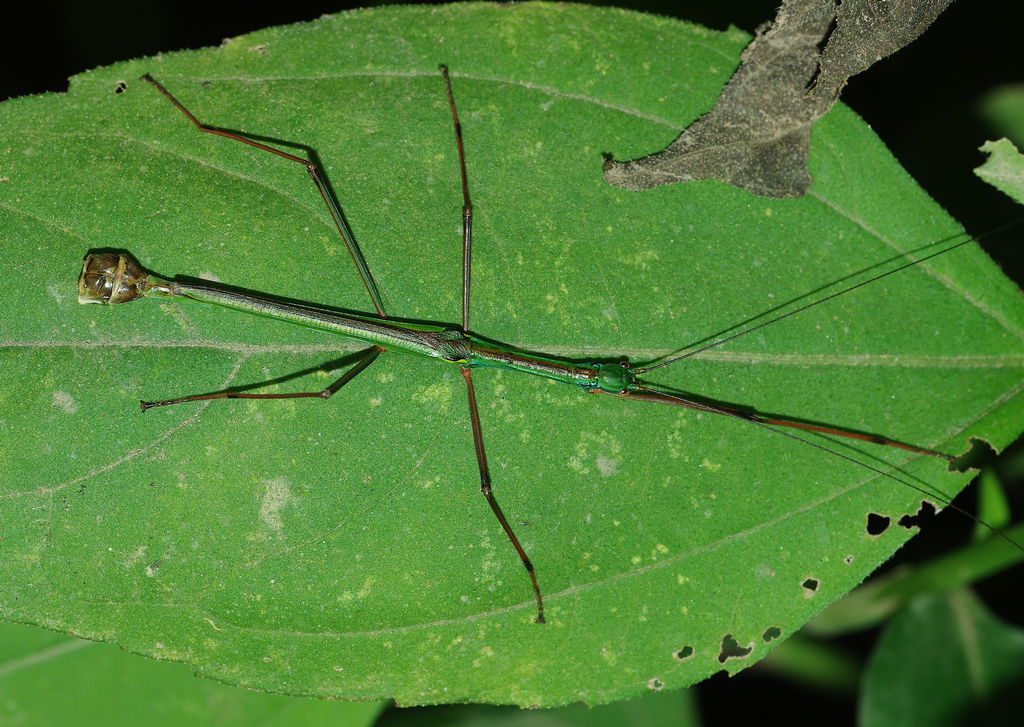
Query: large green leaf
[341, 548]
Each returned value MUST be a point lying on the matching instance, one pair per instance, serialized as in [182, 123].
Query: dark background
[922, 102]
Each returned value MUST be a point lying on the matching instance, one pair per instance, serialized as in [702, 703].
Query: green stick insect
[113, 278]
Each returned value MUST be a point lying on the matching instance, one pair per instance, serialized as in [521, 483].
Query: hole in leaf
[731, 649]
[683, 654]
[771, 633]
[877, 524]
[848, 560]
[656, 684]
[980, 455]
[810, 586]
[121, 87]
[924, 515]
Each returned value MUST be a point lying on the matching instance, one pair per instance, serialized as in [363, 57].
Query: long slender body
[109, 278]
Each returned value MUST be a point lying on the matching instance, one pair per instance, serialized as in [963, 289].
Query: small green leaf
[341, 548]
[50, 679]
[656, 709]
[944, 660]
[1004, 168]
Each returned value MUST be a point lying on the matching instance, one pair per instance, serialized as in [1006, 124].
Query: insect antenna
[641, 390]
[839, 293]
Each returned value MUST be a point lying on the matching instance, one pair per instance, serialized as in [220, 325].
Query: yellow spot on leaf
[276, 495]
[709, 465]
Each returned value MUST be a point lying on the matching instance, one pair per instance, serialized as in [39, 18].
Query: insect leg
[367, 358]
[467, 206]
[485, 488]
[318, 180]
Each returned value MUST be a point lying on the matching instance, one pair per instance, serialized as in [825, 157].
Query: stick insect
[115, 278]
